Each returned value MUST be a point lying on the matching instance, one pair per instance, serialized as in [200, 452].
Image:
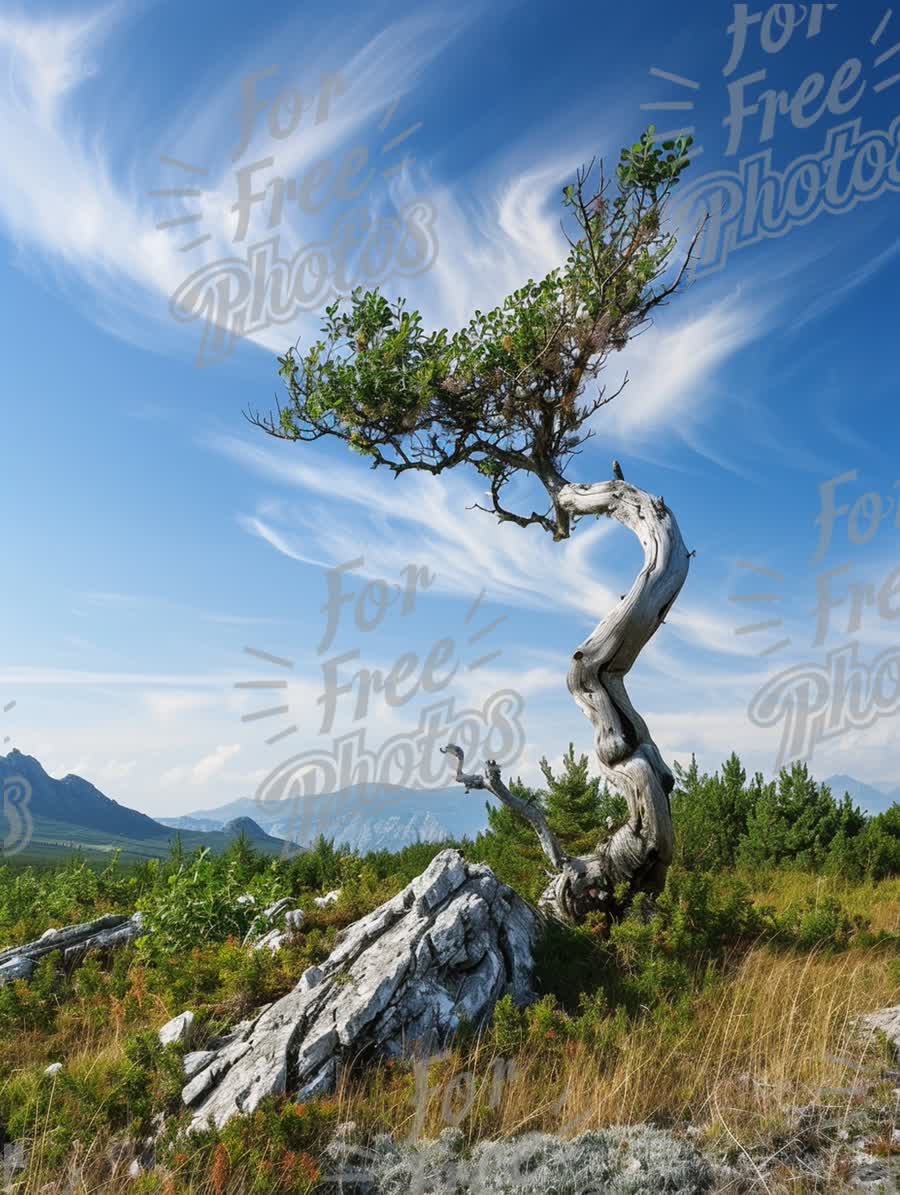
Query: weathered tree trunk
[73, 943]
[637, 856]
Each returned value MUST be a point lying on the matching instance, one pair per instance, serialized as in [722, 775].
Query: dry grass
[775, 1036]
[877, 901]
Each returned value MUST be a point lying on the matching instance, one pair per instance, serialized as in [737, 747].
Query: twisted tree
[503, 394]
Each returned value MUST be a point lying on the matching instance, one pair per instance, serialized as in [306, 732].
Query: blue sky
[151, 534]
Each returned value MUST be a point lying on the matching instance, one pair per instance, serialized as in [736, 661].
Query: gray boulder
[448, 946]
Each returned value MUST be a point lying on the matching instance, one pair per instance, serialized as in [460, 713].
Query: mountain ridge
[870, 798]
[368, 816]
[73, 814]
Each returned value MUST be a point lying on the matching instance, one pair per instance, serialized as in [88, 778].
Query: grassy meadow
[726, 1011]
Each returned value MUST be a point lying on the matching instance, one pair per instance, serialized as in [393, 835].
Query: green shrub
[199, 901]
[508, 1027]
[796, 821]
[820, 922]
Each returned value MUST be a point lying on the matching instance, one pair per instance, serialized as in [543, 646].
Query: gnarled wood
[637, 856]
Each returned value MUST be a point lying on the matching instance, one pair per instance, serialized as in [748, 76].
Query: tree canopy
[505, 392]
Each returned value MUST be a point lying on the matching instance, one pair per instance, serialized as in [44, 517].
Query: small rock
[12, 1159]
[134, 1170]
[273, 940]
[328, 899]
[887, 1020]
[277, 908]
[176, 1031]
[246, 899]
[54, 1068]
[309, 979]
[293, 920]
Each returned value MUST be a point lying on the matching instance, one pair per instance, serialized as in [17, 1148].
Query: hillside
[72, 814]
[717, 1030]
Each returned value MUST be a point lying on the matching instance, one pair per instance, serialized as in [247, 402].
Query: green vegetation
[723, 1007]
[723, 821]
[502, 393]
[780, 921]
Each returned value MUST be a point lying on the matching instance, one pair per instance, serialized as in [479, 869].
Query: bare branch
[492, 782]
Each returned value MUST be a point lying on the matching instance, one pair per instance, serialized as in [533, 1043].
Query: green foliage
[645, 167]
[875, 851]
[661, 948]
[34, 899]
[502, 392]
[721, 821]
[120, 1094]
[509, 845]
[32, 1005]
[572, 803]
[271, 1151]
[508, 1028]
[822, 923]
[710, 814]
[199, 900]
[571, 959]
[599, 983]
[576, 810]
[795, 820]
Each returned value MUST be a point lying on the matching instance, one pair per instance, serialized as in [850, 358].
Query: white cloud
[203, 770]
[63, 202]
[112, 771]
[673, 366]
[61, 198]
[212, 764]
[50, 57]
[165, 706]
[466, 550]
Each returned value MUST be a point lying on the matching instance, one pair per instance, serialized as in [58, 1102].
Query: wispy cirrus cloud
[64, 202]
[73, 200]
[430, 524]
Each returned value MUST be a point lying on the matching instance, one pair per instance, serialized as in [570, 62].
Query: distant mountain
[366, 817]
[71, 814]
[204, 824]
[245, 827]
[77, 802]
[869, 798]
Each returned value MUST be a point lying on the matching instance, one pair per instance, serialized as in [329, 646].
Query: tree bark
[637, 856]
